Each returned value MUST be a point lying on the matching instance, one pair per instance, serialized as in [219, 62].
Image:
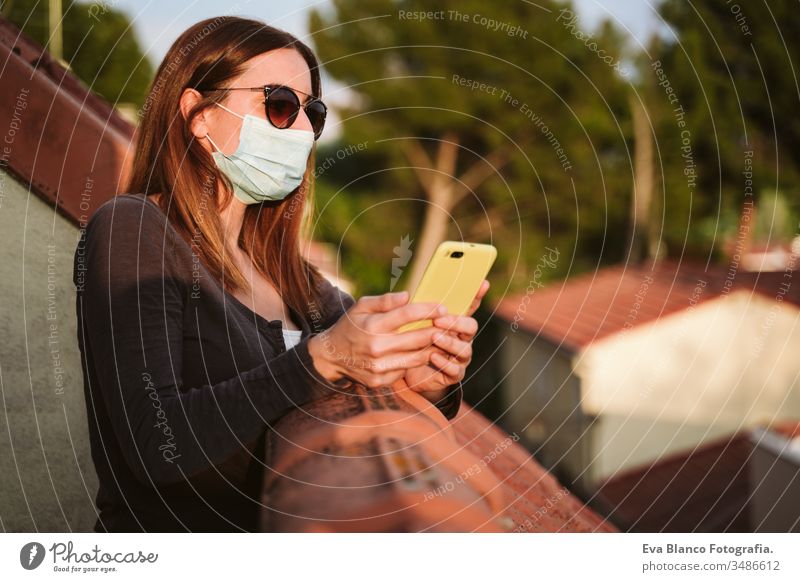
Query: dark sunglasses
[282, 106]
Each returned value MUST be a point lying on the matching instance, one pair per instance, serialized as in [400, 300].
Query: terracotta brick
[376, 460]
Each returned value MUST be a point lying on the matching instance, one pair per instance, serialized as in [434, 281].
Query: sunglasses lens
[282, 107]
[316, 113]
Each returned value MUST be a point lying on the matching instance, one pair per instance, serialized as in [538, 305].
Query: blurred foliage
[737, 86]
[99, 45]
[402, 71]
[739, 89]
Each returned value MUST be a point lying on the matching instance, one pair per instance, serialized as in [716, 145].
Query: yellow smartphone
[453, 277]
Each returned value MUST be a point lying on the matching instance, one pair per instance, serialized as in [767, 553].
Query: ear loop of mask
[232, 113]
[229, 111]
[216, 147]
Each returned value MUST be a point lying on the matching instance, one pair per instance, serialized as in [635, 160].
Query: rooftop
[705, 489]
[590, 307]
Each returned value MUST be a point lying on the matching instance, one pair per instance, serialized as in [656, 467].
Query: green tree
[733, 67]
[503, 119]
[99, 45]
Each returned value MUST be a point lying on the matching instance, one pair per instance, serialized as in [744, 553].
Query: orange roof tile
[587, 308]
[379, 460]
[705, 489]
[533, 499]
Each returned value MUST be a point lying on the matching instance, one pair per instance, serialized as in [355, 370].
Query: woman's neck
[232, 219]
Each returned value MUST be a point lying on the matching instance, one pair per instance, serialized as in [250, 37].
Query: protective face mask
[268, 164]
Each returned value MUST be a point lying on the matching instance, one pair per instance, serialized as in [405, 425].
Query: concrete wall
[47, 480]
[541, 397]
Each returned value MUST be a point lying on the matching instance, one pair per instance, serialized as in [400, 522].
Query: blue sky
[159, 22]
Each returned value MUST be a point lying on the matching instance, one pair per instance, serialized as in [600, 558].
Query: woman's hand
[473, 307]
[363, 344]
[449, 362]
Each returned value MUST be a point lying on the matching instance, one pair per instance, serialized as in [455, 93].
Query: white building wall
[720, 366]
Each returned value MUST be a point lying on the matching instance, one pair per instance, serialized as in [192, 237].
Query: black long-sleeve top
[181, 379]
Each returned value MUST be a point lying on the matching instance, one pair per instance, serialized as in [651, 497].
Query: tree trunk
[642, 243]
[434, 231]
[443, 191]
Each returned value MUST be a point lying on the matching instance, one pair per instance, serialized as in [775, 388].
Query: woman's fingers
[407, 341]
[391, 320]
[402, 360]
[483, 290]
[380, 303]
[478, 297]
[406, 360]
[460, 349]
[458, 325]
[450, 368]
[384, 371]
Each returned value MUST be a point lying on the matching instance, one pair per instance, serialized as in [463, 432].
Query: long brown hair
[170, 162]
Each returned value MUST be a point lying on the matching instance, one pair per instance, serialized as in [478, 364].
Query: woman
[200, 324]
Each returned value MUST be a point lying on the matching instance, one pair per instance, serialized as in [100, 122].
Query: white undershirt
[291, 337]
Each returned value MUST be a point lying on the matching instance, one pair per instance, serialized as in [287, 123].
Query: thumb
[383, 303]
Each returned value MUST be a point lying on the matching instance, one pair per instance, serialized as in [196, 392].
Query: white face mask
[268, 164]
